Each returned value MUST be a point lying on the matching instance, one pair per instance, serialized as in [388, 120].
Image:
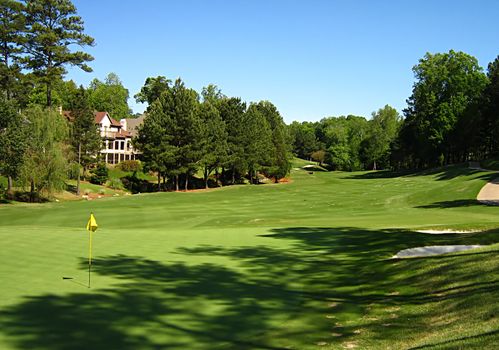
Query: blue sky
[312, 59]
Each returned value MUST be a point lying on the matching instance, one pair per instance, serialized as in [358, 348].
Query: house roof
[122, 134]
[134, 123]
[101, 115]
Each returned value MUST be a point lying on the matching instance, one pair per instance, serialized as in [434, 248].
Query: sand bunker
[489, 194]
[446, 232]
[433, 250]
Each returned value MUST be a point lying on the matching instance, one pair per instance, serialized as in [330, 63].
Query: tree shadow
[458, 203]
[382, 174]
[267, 297]
[442, 174]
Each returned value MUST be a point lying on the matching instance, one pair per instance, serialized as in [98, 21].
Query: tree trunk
[233, 176]
[32, 192]
[9, 185]
[164, 182]
[374, 165]
[206, 177]
[176, 183]
[159, 181]
[216, 176]
[79, 166]
[186, 181]
[49, 95]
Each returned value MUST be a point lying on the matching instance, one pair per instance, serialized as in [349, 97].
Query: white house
[116, 140]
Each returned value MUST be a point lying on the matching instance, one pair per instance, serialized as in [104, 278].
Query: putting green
[303, 265]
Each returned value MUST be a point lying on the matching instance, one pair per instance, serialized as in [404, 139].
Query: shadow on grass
[451, 344]
[331, 280]
[442, 174]
[458, 203]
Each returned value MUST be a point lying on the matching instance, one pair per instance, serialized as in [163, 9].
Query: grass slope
[303, 265]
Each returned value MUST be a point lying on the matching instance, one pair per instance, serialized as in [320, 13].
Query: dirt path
[489, 194]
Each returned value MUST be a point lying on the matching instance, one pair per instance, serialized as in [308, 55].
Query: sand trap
[433, 250]
[489, 194]
[446, 232]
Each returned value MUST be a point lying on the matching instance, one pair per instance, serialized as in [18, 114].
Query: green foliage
[257, 141]
[115, 184]
[342, 138]
[280, 149]
[11, 29]
[489, 113]
[447, 85]
[100, 174]
[171, 134]
[152, 90]
[110, 96]
[130, 166]
[318, 156]
[13, 140]
[85, 136]
[44, 165]
[383, 129]
[303, 139]
[52, 29]
[232, 111]
[213, 144]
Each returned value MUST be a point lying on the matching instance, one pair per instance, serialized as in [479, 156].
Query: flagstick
[89, 255]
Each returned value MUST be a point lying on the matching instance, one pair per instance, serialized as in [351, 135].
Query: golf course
[300, 265]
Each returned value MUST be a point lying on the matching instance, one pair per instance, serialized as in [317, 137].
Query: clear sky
[312, 58]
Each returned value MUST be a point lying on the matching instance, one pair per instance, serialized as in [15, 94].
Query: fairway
[301, 265]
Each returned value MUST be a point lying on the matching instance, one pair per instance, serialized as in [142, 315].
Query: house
[116, 136]
[116, 140]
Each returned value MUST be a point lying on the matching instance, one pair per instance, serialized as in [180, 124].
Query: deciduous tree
[110, 96]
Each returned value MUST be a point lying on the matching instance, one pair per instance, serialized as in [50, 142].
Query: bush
[100, 174]
[130, 165]
[115, 184]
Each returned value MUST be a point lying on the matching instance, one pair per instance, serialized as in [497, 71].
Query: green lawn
[302, 265]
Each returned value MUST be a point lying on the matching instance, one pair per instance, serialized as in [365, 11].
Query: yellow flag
[92, 223]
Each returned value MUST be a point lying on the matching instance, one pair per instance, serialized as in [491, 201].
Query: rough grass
[303, 265]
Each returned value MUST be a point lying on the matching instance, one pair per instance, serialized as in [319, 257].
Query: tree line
[452, 116]
[185, 133]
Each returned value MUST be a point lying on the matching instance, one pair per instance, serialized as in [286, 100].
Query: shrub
[99, 174]
[130, 165]
[115, 184]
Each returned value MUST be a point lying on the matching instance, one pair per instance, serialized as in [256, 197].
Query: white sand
[446, 232]
[489, 194]
[433, 250]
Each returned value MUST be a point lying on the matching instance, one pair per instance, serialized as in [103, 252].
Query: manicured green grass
[302, 265]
